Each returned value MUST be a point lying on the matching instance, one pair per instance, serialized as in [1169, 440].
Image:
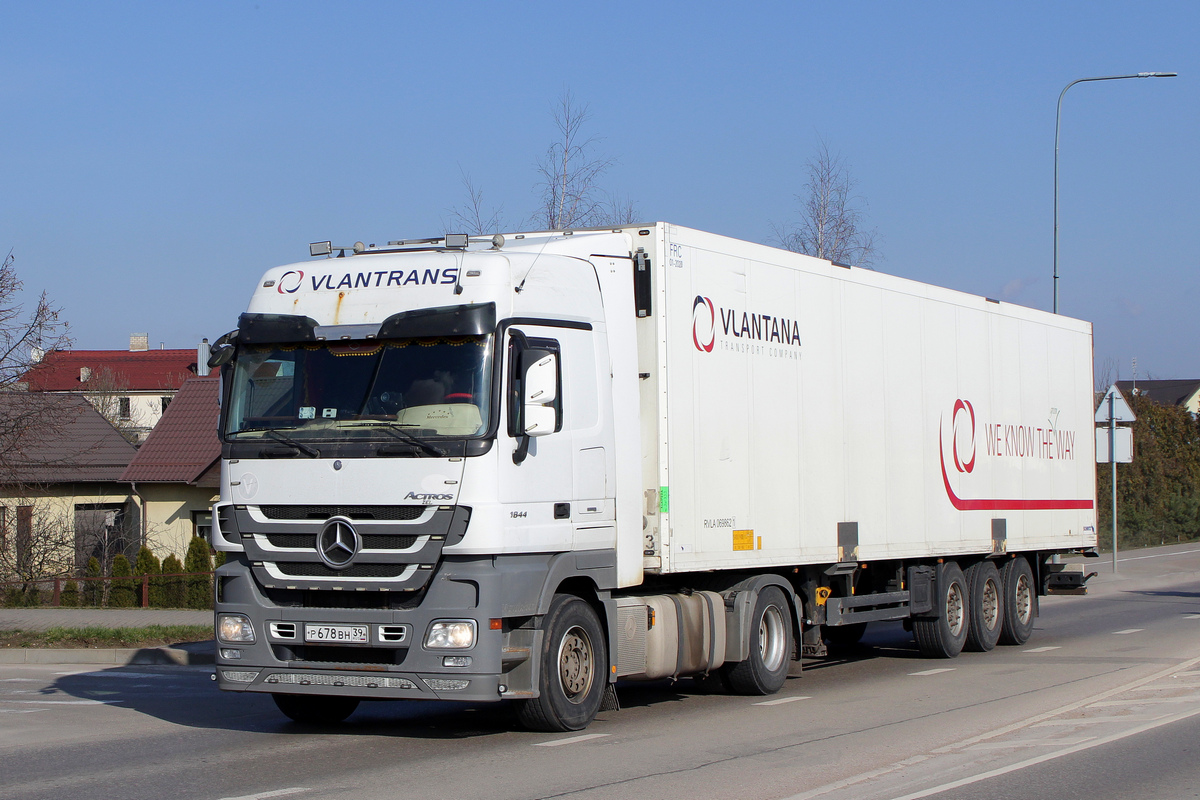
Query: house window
[123, 411]
[202, 525]
[24, 536]
[166, 401]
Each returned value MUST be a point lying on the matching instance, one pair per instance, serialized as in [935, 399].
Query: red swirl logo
[287, 278]
[704, 324]
[961, 447]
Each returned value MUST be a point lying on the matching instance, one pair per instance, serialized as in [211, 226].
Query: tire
[943, 635]
[985, 592]
[313, 709]
[1020, 602]
[765, 671]
[844, 637]
[574, 669]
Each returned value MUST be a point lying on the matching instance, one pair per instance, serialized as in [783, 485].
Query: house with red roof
[174, 476]
[131, 388]
[62, 495]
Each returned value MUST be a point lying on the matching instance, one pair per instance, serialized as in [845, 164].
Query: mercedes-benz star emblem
[338, 543]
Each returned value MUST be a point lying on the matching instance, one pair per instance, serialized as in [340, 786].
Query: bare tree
[570, 171]
[1105, 375]
[831, 215]
[24, 339]
[106, 390]
[39, 543]
[472, 217]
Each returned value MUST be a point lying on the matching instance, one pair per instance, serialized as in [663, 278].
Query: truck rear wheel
[574, 669]
[986, 613]
[765, 670]
[944, 635]
[313, 709]
[1020, 601]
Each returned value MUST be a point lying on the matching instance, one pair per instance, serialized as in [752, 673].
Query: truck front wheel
[943, 635]
[765, 671]
[574, 669]
[311, 709]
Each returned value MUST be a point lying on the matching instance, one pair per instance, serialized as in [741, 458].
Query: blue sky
[159, 156]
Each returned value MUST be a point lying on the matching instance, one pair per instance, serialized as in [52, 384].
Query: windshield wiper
[303, 448]
[396, 431]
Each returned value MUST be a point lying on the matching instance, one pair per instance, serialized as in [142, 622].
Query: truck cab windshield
[330, 391]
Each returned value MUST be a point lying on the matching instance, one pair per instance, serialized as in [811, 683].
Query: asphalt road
[1103, 702]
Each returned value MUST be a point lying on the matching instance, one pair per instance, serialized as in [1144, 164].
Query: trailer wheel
[574, 669]
[312, 709]
[1020, 601]
[765, 671]
[986, 613]
[944, 635]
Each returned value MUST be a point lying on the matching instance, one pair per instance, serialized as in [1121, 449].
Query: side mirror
[221, 350]
[539, 390]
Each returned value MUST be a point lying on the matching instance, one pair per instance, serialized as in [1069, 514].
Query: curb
[122, 656]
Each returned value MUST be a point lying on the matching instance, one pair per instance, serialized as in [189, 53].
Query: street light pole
[1057, 119]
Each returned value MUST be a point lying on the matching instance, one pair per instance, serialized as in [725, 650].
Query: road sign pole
[1112, 456]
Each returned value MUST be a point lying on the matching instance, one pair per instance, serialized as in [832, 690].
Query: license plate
[356, 634]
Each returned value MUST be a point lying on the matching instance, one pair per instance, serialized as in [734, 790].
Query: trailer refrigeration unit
[523, 467]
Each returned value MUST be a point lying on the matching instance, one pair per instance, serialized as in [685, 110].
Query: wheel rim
[991, 605]
[576, 664]
[954, 608]
[771, 638]
[1024, 600]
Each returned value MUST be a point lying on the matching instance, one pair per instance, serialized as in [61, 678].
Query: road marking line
[1096, 720]
[1156, 555]
[94, 674]
[265, 795]
[866, 776]
[1045, 649]
[572, 740]
[933, 671]
[21, 710]
[945, 787]
[1128, 630]
[1153, 688]
[65, 702]
[781, 701]
[1191, 616]
[18, 680]
[1191, 698]
[1032, 743]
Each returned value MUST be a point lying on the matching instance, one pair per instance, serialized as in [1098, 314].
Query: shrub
[123, 593]
[147, 564]
[69, 597]
[173, 588]
[199, 587]
[93, 590]
[13, 597]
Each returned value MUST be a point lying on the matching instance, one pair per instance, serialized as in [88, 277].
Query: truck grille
[308, 541]
[386, 513]
[299, 569]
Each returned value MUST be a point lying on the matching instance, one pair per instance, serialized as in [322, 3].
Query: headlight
[235, 629]
[451, 634]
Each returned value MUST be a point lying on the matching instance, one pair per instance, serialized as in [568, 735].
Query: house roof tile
[184, 445]
[1163, 392]
[74, 443]
[131, 370]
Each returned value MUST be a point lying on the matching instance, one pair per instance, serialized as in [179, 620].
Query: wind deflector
[272, 328]
[473, 320]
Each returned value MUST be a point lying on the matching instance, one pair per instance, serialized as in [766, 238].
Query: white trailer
[525, 466]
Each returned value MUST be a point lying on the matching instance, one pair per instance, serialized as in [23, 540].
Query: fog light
[451, 634]
[456, 661]
[230, 653]
[239, 677]
[234, 629]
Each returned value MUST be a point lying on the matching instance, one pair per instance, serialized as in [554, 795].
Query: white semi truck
[524, 467]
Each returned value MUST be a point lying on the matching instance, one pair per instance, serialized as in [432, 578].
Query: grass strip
[99, 637]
